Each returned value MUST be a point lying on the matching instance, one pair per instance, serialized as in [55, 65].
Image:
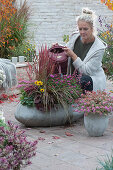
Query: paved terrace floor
[76, 152]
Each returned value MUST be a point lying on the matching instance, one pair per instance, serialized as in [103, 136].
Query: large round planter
[95, 124]
[30, 116]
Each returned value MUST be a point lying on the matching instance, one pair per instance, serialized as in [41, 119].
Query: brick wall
[51, 19]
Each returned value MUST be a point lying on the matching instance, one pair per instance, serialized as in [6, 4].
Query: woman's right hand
[70, 53]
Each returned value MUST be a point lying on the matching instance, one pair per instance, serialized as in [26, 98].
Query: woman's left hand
[70, 53]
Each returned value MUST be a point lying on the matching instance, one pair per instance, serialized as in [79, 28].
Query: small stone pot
[96, 124]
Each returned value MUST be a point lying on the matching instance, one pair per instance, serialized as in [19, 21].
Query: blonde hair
[89, 17]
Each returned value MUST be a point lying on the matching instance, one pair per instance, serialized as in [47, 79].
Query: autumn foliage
[13, 25]
[108, 3]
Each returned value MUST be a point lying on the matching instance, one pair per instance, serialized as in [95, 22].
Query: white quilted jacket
[92, 64]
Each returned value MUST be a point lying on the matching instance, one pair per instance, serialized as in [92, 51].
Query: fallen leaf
[56, 154]
[68, 134]
[56, 137]
[42, 131]
[28, 128]
[40, 138]
[50, 142]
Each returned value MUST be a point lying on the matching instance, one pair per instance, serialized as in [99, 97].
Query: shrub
[25, 49]
[106, 34]
[13, 26]
[108, 3]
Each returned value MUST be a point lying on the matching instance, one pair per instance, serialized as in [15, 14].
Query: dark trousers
[86, 83]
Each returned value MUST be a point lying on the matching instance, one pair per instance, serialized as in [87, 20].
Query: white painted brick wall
[51, 19]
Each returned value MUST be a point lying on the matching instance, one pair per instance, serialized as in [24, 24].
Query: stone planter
[95, 124]
[30, 116]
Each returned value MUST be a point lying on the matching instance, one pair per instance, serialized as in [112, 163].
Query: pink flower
[97, 107]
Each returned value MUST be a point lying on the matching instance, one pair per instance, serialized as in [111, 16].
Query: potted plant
[97, 106]
[15, 149]
[46, 97]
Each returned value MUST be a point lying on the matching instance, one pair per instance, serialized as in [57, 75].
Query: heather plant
[45, 89]
[13, 26]
[15, 150]
[99, 102]
[106, 34]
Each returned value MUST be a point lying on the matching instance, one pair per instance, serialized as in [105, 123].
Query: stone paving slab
[77, 152]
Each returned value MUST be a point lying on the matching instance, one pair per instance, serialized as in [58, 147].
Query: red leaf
[1, 101]
[68, 134]
[4, 96]
[11, 99]
[56, 137]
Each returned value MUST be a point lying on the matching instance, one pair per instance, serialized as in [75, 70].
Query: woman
[85, 51]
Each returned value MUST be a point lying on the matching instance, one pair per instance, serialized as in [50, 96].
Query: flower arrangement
[15, 150]
[99, 102]
[44, 89]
